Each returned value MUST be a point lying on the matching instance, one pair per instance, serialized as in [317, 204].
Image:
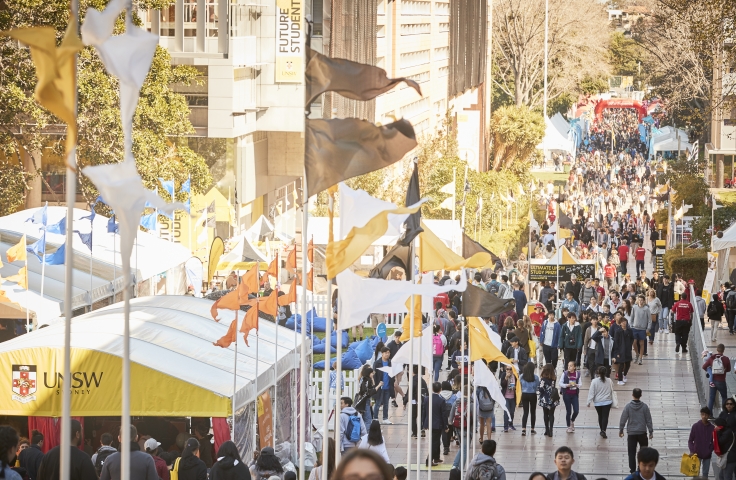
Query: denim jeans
[382, 398]
[664, 318]
[572, 406]
[705, 467]
[720, 387]
[437, 366]
[653, 329]
[509, 421]
[368, 414]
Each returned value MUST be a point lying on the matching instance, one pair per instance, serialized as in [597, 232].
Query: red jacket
[640, 252]
[683, 310]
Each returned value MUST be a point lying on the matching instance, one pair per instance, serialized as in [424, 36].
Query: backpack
[731, 301]
[712, 310]
[485, 471]
[437, 348]
[717, 367]
[174, 473]
[570, 341]
[485, 402]
[100, 460]
[493, 287]
[461, 414]
[352, 430]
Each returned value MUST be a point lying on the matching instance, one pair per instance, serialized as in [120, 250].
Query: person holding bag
[723, 440]
[570, 384]
[366, 390]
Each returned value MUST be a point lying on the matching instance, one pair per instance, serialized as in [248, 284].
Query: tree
[516, 133]
[160, 123]
[577, 47]
[625, 55]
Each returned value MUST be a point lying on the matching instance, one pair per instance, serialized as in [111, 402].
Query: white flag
[482, 377]
[403, 356]
[447, 203]
[521, 190]
[679, 213]
[448, 189]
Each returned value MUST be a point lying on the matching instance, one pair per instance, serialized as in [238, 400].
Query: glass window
[190, 18]
[168, 17]
[212, 20]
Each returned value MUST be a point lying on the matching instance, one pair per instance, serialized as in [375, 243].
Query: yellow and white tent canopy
[176, 371]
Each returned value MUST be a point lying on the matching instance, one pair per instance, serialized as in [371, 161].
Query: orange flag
[290, 297]
[21, 278]
[252, 279]
[270, 304]
[251, 320]
[243, 292]
[310, 280]
[310, 251]
[4, 298]
[18, 251]
[227, 302]
[273, 268]
[291, 261]
[231, 335]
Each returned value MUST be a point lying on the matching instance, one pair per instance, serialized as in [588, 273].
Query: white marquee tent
[554, 138]
[158, 266]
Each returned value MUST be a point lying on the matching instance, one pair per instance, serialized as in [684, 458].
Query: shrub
[693, 264]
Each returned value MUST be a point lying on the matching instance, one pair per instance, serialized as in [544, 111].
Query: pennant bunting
[483, 377]
[112, 226]
[290, 296]
[481, 347]
[310, 251]
[471, 247]
[251, 321]
[269, 304]
[448, 189]
[150, 221]
[406, 326]
[58, 227]
[291, 261]
[59, 256]
[40, 216]
[479, 303]
[403, 356]
[398, 256]
[412, 225]
[21, 278]
[38, 248]
[435, 255]
[231, 336]
[17, 252]
[273, 267]
[86, 238]
[252, 279]
[339, 149]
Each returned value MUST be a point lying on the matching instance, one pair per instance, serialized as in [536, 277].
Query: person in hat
[267, 465]
[517, 354]
[537, 317]
[153, 448]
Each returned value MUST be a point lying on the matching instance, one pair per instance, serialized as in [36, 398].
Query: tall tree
[578, 39]
[160, 123]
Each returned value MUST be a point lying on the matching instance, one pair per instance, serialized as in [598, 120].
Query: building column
[179, 26]
[719, 170]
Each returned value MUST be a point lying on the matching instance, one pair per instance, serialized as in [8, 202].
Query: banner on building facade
[710, 278]
[289, 41]
[265, 420]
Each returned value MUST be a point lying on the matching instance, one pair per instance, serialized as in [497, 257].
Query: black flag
[479, 303]
[413, 223]
[565, 221]
[471, 247]
[398, 256]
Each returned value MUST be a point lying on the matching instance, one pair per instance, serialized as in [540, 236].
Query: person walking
[589, 346]
[622, 342]
[81, 466]
[666, 295]
[603, 349]
[641, 323]
[383, 394]
[267, 465]
[550, 339]
[570, 383]
[439, 344]
[637, 420]
[571, 339]
[684, 312]
[729, 300]
[374, 441]
[486, 405]
[529, 385]
[700, 441]
[229, 465]
[729, 413]
[549, 397]
[564, 460]
[655, 310]
[142, 464]
[647, 460]
[603, 397]
[719, 366]
[153, 448]
[714, 313]
[440, 412]
[726, 439]
[484, 466]
[366, 390]
[352, 426]
[508, 387]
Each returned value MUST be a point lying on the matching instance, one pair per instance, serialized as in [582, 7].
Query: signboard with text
[265, 420]
[549, 272]
[659, 251]
[289, 41]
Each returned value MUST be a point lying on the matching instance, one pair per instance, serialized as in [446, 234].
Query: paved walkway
[669, 389]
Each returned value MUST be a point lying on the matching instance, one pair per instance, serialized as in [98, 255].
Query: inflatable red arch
[620, 103]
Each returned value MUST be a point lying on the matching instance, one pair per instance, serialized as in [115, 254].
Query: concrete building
[721, 150]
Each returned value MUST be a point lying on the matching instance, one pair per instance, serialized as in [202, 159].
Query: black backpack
[100, 460]
[731, 300]
[712, 309]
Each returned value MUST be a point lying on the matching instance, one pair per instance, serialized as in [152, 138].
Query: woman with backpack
[714, 312]
[439, 343]
[366, 390]
[603, 397]
[655, 310]
[549, 397]
[529, 385]
[485, 412]
[570, 383]
[190, 467]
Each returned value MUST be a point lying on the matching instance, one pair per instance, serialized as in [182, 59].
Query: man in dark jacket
[564, 459]
[573, 286]
[81, 463]
[31, 457]
[666, 295]
[142, 465]
[206, 448]
[394, 346]
[384, 393]
[647, 459]
[517, 354]
[440, 412]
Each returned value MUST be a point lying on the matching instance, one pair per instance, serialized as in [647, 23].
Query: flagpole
[28, 293]
[326, 409]
[235, 378]
[419, 399]
[682, 228]
[91, 242]
[429, 406]
[557, 248]
[303, 346]
[463, 413]
[411, 359]
[276, 363]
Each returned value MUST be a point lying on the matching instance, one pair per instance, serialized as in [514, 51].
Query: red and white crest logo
[24, 383]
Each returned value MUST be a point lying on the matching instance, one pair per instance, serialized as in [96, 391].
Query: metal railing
[697, 344]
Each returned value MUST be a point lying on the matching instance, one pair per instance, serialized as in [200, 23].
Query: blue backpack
[352, 430]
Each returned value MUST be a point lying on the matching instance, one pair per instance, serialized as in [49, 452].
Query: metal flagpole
[326, 408]
[419, 400]
[470, 427]
[235, 376]
[43, 255]
[411, 362]
[255, 404]
[91, 242]
[463, 415]
[28, 293]
[557, 247]
[429, 406]
[303, 350]
[546, 58]
[276, 364]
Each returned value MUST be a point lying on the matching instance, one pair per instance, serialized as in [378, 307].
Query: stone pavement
[667, 381]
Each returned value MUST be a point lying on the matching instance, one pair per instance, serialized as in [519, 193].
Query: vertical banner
[265, 420]
[659, 251]
[289, 41]
[710, 277]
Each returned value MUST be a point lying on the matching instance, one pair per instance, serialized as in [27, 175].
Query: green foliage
[13, 184]
[724, 217]
[693, 264]
[625, 54]
[560, 104]
[516, 132]
[160, 124]
[590, 86]
[686, 179]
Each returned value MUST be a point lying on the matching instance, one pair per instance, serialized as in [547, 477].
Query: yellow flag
[481, 347]
[4, 298]
[565, 233]
[55, 90]
[21, 278]
[340, 255]
[18, 251]
[434, 255]
[406, 327]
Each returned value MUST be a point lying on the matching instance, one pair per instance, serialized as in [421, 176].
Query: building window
[190, 18]
[416, 28]
[443, 71]
[168, 17]
[415, 108]
[441, 8]
[416, 8]
[444, 27]
[419, 78]
[412, 59]
[441, 53]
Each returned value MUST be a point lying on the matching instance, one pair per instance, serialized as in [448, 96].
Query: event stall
[554, 137]
[176, 369]
[158, 266]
